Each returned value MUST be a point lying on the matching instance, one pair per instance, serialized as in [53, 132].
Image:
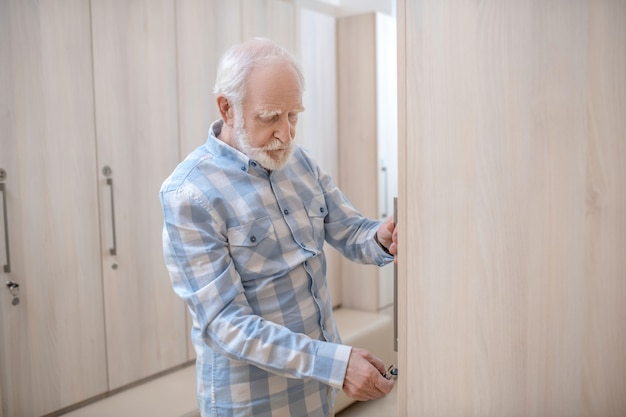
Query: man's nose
[285, 131]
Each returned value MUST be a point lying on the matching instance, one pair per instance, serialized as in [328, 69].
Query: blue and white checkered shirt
[244, 250]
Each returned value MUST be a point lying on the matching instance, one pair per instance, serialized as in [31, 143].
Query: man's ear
[226, 110]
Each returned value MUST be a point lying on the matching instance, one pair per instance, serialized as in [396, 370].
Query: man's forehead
[274, 85]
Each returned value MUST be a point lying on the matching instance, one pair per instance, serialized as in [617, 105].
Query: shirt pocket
[251, 245]
[317, 210]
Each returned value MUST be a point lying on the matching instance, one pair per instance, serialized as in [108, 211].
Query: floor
[174, 396]
[384, 407]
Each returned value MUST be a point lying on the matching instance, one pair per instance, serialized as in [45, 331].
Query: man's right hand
[364, 378]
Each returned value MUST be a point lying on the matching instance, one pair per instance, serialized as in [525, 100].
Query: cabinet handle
[7, 266]
[395, 285]
[386, 191]
[113, 250]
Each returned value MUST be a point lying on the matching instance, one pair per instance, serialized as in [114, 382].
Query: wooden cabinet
[52, 350]
[85, 149]
[367, 142]
[135, 84]
[100, 99]
[513, 208]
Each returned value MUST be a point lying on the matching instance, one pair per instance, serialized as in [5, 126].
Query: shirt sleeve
[346, 229]
[203, 275]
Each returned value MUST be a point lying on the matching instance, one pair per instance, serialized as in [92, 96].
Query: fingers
[393, 247]
[385, 232]
[385, 385]
[364, 377]
[378, 364]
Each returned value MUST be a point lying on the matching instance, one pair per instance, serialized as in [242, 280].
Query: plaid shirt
[244, 250]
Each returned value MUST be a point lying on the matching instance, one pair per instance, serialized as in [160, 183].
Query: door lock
[392, 372]
[14, 289]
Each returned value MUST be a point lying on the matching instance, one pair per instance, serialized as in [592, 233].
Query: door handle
[385, 212]
[395, 285]
[392, 372]
[107, 173]
[3, 189]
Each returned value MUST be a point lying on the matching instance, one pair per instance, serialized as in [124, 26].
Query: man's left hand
[388, 236]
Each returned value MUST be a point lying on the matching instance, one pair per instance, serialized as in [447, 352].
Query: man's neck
[226, 136]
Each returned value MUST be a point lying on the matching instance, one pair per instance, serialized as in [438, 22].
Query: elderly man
[246, 216]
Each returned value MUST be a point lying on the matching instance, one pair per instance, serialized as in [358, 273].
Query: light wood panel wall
[366, 99]
[358, 143]
[513, 208]
[317, 126]
[204, 30]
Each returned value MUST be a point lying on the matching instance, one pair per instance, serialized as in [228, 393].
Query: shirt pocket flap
[317, 207]
[250, 234]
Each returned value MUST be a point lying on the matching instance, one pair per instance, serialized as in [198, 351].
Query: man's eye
[293, 117]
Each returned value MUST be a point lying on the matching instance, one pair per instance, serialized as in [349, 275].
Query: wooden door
[52, 352]
[512, 208]
[134, 53]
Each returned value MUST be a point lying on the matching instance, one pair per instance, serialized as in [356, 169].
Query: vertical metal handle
[395, 284]
[113, 250]
[7, 266]
[386, 192]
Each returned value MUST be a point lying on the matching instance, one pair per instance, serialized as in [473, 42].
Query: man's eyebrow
[268, 113]
[271, 112]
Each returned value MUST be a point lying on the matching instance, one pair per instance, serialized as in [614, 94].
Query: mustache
[275, 145]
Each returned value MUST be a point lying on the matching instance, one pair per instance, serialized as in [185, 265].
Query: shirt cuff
[382, 256]
[331, 362]
[380, 245]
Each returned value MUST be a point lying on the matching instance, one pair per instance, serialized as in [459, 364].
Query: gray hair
[237, 62]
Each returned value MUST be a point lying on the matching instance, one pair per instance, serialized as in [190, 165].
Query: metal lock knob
[14, 289]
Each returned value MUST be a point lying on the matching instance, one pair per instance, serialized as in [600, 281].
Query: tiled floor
[174, 396]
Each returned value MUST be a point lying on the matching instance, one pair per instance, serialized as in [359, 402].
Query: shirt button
[253, 163]
[253, 239]
[243, 168]
[321, 209]
[286, 211]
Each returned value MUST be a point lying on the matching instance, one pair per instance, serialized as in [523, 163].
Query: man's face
[267, 126]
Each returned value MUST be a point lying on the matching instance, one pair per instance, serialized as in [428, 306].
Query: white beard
[262, 154]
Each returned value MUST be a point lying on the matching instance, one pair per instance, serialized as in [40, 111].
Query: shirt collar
[219, 148]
